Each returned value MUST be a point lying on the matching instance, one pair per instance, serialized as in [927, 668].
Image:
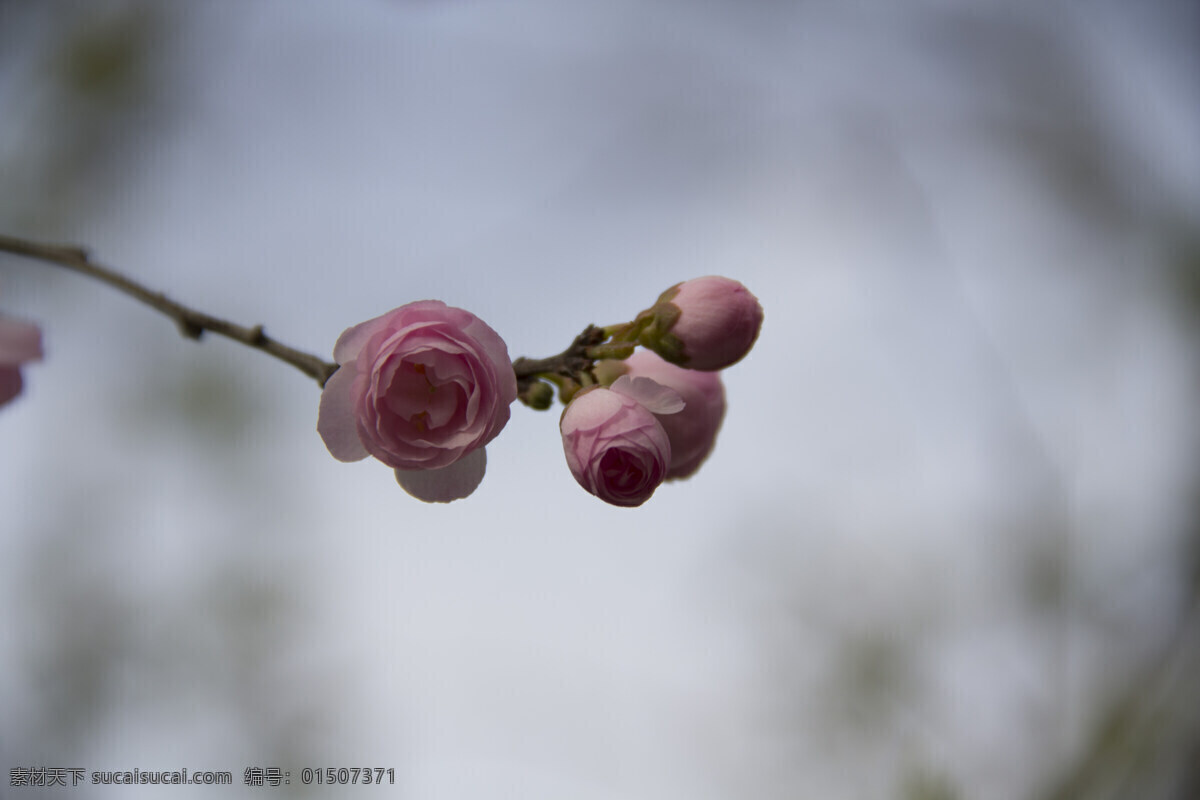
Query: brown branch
[569, 363]
[192, 323]
[573, 364]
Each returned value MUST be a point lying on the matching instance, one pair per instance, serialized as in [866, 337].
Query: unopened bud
[705, 323]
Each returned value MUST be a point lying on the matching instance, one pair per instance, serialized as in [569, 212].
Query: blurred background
[948, 545]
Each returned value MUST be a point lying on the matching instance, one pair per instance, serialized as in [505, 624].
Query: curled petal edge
[447, 484]
[335, 419]
[656, 398]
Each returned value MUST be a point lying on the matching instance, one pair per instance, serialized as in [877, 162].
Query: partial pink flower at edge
[20, 343]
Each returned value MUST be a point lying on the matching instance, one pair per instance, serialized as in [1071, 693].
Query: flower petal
[590, 409]
[354, 338]
[336, 420]
[444, 485]
[10, 383]
[657, 399]
[19, 342]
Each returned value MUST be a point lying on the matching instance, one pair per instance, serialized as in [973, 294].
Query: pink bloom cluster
[657, 422]
[20, 343]
[424, 387]
[622, 443]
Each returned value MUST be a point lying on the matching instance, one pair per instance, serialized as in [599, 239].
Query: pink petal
[657, 399]
[443, 485]
[354, 338]
[10, 383]
[589, 410]
[335, 419]
[495, 352]
[19, 342]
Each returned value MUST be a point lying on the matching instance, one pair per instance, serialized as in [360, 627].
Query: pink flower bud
[616, 449]
[422, 388]
[705, 323]
[20, 342]
[692, 431]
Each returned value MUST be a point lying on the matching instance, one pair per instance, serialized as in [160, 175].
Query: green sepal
[657, 334]
[568, 389]
[617, 350]
[670, 348]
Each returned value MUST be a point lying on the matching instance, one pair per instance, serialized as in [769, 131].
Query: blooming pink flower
[692, 431]
[616, 448]
[422, 388]
[705, 323]
[20, 342]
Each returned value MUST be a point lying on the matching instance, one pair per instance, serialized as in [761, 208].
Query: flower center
[622, 472]
[420, 420]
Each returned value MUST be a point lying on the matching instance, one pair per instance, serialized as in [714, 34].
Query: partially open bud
[692, 431]
[705, 323]
[615, 447]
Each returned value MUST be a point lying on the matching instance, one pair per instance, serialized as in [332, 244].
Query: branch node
[189, 329]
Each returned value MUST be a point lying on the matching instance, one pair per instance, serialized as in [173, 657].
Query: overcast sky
[943, 516]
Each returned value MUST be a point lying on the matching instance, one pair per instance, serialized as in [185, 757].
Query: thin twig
[192, 323]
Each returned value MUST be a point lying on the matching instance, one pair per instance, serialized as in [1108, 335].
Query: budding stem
[192, 323]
